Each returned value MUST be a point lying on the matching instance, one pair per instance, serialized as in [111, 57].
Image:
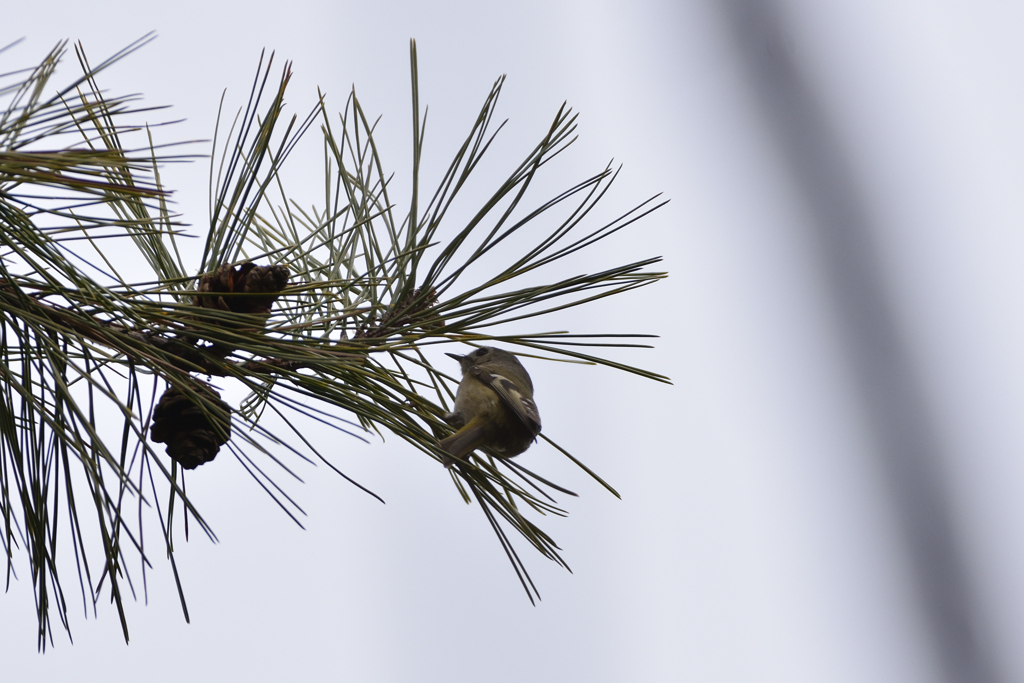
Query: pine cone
[401, 314]
[266, 280]
[186, 428]
[247, 278]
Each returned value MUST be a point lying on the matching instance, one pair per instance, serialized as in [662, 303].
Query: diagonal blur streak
[890, 394]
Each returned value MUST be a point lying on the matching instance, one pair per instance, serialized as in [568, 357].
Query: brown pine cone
[401, 314]
[266, 280]
[248, 278]
[186, 428]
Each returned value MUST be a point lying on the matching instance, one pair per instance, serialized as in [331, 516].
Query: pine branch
[321, 313]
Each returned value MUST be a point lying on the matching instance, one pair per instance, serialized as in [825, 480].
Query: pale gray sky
[757, 539]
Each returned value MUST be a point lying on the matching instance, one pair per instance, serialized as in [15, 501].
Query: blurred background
[831, 490]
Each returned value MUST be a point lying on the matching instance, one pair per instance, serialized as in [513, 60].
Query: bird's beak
[455, 356]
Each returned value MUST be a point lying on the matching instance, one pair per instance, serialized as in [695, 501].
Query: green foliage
[368, 290]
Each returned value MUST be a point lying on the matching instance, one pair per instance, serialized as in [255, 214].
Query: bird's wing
[524, 408]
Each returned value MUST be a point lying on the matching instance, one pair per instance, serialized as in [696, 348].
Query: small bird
[494, 406]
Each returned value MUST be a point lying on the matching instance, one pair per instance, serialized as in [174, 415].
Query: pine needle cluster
[322, 314]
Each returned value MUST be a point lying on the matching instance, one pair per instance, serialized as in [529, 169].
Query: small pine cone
[416, 305]
[221, 281]
[265, 280]
[436, 322]
[403, 313]
[247, 278]
[186, 428]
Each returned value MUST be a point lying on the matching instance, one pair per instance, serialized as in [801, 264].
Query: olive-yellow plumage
[494, 407]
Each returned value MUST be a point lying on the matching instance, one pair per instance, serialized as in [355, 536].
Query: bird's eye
[480, 352]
